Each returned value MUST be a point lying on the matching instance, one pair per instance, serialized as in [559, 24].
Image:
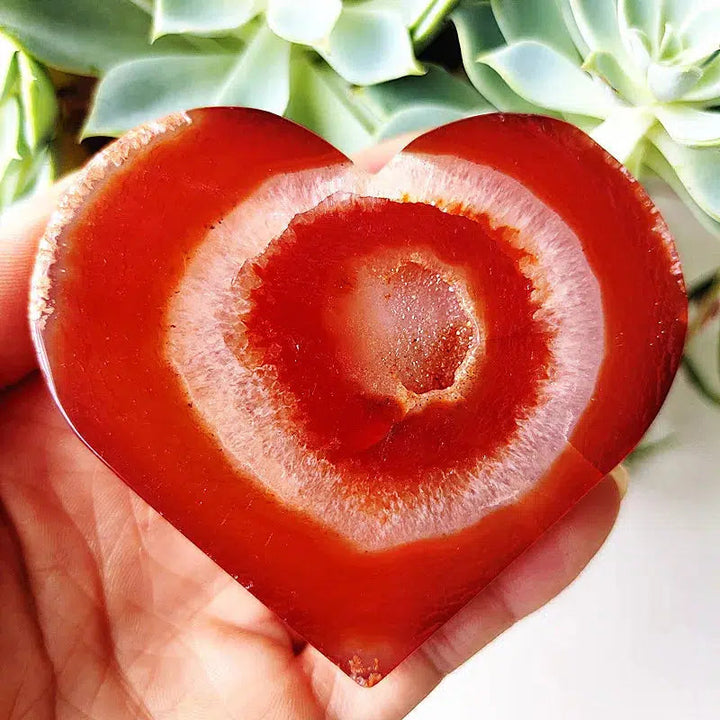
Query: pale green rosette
[641, 76]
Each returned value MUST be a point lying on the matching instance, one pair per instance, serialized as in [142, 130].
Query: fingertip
[534, 579]
[622, 479]
[563, 552]
[374, 158]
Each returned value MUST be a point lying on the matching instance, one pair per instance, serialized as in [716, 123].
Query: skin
[108, 612]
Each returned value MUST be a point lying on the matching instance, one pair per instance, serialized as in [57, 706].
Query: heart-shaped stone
[362, 395]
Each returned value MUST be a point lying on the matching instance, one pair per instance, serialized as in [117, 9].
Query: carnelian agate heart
[361, 395]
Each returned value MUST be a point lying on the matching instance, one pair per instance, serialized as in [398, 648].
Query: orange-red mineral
[362, 395]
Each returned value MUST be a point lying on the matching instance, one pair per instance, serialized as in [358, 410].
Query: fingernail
[621, 477]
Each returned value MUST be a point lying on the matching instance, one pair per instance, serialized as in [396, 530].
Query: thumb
[21, 227]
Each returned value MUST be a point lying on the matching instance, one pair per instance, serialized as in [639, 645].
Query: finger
[20, 230]
[531, 581]
[374, 158]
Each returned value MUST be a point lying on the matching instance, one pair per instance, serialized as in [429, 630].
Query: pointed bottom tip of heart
[365, 675]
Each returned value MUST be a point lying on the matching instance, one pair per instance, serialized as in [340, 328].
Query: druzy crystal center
[414, 323]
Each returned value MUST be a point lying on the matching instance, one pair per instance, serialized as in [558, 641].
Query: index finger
[21, 227]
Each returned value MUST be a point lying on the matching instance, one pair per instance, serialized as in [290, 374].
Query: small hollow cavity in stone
[414, 323]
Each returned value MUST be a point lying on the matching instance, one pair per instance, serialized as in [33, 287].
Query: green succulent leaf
[647, 17]
[26, 176]
[425, 18]
[353, 118]
[419, 117]
[572, 27]
[418, 103]
[40, 172]
[655, 161]
[700, 33]
[173, 17]
[546, 78]
[11, 117]
[691, 127]
[38, 100]
[669, 83]
[537, 20]
[325, 103]
[621, 132]
[704, 382]
[145, 89]
[411, 11]
[478, 34]
[27, 123]
[597, 23]
[639, 47]
[670, 44]
[307, 23]
[370, 44]
[260, 77]
[682, 12]
[16, 161]
[140, 90]
[607, 67]
[87, 37]
[9, 71]
[707, 89]
[696, 168]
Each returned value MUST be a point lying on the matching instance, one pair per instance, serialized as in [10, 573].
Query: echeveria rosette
[27, 121]
[302, 59]
[641, 76]
[364, 42]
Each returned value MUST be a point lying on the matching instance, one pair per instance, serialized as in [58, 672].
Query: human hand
[107, 611]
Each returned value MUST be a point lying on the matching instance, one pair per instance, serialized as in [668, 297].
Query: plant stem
[706, 295]
[429, 23]
[699, 382]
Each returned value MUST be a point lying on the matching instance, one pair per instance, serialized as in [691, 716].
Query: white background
[638, 634]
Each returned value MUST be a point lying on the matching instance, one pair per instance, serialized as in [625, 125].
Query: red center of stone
[361, 318]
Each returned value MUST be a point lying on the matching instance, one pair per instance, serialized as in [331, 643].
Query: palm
[119, 616]
[106, 611]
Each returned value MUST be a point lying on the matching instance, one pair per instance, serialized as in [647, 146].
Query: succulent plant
[301, 59]
[641, 76]
[27, 118]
